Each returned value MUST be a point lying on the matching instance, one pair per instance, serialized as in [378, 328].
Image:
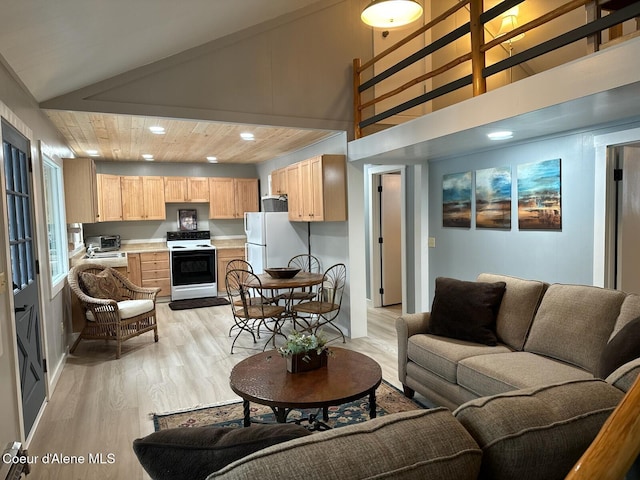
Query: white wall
[563, 256]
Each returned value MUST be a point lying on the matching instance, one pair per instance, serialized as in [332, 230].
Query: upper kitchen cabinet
[186, 189]
[142, 198]
[80, 190]
[231, 197]
[279, 181]
[293, 192]
[320, 191]
[109, 198]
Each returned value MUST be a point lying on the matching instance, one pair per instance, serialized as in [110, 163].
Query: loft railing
[365, 98]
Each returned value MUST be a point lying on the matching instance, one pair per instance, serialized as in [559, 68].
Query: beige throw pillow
[102, 285]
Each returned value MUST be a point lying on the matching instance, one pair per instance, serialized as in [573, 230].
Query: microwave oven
[103, 243]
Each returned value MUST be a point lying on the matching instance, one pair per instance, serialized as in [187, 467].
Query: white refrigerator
[272, 239]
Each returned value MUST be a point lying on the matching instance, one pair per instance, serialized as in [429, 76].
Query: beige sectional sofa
[546, 334]
[526, 434]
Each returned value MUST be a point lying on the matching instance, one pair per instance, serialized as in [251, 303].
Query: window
[56, 227]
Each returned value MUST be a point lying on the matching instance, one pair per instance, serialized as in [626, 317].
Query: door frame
[5, 264]
[605, 204]
[374, 174]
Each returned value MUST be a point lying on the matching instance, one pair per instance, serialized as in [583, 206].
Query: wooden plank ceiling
[127, 138]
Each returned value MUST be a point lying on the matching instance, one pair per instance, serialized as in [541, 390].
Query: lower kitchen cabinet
[150, 269]
[225, 255]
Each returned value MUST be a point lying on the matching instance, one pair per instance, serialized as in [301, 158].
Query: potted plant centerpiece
[305, 352]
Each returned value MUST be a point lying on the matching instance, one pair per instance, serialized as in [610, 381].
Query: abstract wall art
[493, 198]
[456, 200]
[539, 195]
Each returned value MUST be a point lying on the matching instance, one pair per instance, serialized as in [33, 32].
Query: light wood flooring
[101, 404]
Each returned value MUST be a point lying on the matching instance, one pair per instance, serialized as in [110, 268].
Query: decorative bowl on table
[282, 272]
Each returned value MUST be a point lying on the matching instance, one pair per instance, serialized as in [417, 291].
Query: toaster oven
[102, 243]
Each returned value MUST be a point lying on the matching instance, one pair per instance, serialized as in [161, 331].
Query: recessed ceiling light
[501, 135]
[92, 153]
[212, 159]
[148, 157]
[157, 130]
[247, 136]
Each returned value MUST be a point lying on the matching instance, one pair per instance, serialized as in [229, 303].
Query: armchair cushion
[196, 452]
[101, 285]
[466, 310]
[129, 309]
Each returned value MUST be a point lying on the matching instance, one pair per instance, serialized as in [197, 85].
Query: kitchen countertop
[79, 258]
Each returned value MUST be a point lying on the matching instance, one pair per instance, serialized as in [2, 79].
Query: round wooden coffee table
[263, 379]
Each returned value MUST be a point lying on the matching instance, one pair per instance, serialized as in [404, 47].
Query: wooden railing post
[357, 112]
[477, 55]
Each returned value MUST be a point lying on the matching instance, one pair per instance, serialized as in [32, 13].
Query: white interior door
[390, 232]
[628, 231]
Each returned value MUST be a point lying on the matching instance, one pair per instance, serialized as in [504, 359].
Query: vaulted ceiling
[58, 47]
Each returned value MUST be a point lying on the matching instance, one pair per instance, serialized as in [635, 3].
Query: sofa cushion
[623, 348]
[466, 310]
[518, 307]
[629, 311]
[573, 324]
[440, 355]
[492, 374]
[409, 445]
[196, 452]
[538, 433]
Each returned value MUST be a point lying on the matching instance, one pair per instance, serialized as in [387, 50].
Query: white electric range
[193, 264]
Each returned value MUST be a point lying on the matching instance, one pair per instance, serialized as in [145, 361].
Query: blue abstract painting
[539, 196]
[456, 200]
[493, 198]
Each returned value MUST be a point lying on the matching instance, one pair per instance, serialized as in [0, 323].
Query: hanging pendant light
[391, 13]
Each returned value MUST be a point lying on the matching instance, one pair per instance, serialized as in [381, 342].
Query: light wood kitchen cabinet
[294, 194]
[231, 197]
[80, 190]
[186, 189]
[134, 271]
[225, 255]
[154, 204]
[155, 271]
[322, 190]
[279, 181]
[143, 198]
[109, 198]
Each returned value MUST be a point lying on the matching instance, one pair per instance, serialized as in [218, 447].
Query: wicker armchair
[115, 308]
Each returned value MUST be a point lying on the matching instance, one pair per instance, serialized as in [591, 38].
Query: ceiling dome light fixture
[500, 135]
[391, 13]
[158, 130]
[212, 159]
[247, 136]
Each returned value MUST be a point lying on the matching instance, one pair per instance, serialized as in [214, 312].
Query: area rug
[198, 303]
[388, 400]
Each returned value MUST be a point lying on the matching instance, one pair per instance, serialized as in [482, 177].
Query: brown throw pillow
[622, 348]
[102, 285]
[194, 453]
[466, 310]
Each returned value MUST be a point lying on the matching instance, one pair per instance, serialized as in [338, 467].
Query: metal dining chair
[324, 309]
[250, 309]
[306, 263]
